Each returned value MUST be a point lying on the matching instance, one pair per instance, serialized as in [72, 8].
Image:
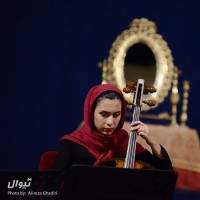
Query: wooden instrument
[139, 89]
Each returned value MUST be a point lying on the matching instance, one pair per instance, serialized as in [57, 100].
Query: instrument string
[130, 158]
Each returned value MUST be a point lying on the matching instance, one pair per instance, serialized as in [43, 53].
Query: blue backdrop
[49, 53]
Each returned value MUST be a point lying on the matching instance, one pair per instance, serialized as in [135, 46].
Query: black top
[71, 153]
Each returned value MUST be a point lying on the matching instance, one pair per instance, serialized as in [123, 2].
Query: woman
[102, 137]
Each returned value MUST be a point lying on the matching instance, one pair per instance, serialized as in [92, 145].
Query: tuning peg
[131, 87]
[149, 89]
[150, 103]
[127, 90]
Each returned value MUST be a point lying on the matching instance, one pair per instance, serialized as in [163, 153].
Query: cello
[130, 162]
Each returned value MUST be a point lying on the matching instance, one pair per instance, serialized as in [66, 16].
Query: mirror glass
[140, 63]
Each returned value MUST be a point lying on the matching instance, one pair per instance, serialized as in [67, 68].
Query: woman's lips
[108, 129]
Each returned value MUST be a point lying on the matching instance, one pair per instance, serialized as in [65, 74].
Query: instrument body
[120, 163]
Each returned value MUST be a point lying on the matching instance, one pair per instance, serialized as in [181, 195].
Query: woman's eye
[107, 114]
[104, 114]
[117, 114]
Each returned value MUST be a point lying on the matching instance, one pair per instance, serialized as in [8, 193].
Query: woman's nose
[109, 121]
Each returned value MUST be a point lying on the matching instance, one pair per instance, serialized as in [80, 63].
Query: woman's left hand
[144, 131]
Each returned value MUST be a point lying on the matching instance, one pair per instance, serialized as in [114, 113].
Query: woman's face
[107, 115]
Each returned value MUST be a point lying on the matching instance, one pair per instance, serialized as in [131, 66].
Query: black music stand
[30, 185]
[108, 183]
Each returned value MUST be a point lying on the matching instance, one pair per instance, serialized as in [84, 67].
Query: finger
[135, 128]
[143, 135]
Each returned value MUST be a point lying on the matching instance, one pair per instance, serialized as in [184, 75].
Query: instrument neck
[131, 150]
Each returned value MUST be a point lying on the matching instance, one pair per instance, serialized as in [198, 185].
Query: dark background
[49, 51]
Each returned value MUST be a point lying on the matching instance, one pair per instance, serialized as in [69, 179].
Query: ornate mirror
[140, 52]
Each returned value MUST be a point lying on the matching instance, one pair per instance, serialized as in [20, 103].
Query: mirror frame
[140, 31]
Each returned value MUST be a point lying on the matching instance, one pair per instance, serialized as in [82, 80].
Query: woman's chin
[106, 133]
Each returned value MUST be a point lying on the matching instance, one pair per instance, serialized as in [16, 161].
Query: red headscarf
[102, 146]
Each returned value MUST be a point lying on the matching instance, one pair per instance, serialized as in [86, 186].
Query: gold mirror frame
[140, 31]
